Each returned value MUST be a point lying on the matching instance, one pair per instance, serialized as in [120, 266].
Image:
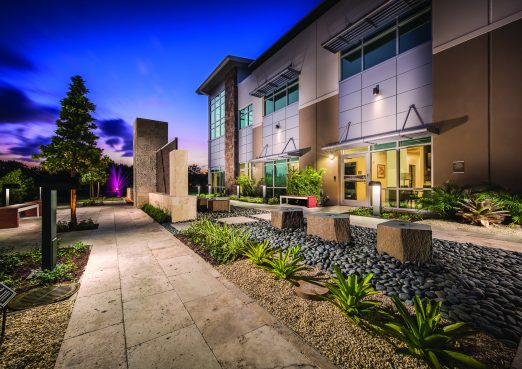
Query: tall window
[217, 115]
[217, 179]
[280, 98]
[276, 175]
[245, 117]
[406, 33]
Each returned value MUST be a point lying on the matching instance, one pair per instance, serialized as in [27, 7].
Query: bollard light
[199, 189]
[209, 190]
[40, 193]
[264, 193]
[376, 197]
[238, 191]
[6, 191]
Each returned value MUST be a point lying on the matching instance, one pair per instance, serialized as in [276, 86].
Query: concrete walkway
[147, 301]
[512, 243]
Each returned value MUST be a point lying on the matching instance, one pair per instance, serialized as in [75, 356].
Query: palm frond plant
[350, 295]
[285, 265]
[258, 253]
[444, 200]
[426, 339]
[482, 212]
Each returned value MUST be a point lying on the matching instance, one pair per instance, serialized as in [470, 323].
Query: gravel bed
[34, 336]
[478, 285]
[323, 326]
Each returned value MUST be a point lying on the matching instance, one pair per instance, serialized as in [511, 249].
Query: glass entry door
[355, 184]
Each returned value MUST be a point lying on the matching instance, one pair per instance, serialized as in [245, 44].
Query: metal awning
[409, 133]
[276, 82]
[364, 27]
[282, 155]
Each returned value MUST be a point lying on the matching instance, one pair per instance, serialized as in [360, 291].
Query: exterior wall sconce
[277, 126]
[376, 197]
[331, 156]
[376, 90]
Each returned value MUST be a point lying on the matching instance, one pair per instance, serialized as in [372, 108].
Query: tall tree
[73, 147]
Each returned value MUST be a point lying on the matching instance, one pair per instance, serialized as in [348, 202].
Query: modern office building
[409, 93]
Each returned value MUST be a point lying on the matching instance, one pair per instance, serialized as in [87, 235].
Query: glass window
[217, 116]
[415, 167]
[293, 94]
[379, 49]
[280, 100]
[245, 117]
[415, 31]
[351, 63]
[280, 173]
[269, 105]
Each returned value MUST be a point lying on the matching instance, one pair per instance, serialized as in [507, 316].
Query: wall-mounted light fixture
[331, 156]
[376, 90]
[277, 126]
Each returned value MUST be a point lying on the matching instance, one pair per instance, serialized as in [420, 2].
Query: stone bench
[287, 218]
[405, 241]
[331, 227]
[202, 203]
[219, 204]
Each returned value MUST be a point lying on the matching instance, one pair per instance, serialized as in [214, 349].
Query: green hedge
[305, 182]
[157, 214]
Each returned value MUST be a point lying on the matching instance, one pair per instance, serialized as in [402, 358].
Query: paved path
[147, 301]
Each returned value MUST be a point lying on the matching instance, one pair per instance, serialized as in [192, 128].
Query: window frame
[283, 90]
[247, 112]
[217, 109]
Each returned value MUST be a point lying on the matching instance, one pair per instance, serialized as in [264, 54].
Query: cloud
[10, 59]
[117, 133]
[29, 146]
[17, 107]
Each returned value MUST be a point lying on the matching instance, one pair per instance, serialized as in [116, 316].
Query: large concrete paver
[148, 301]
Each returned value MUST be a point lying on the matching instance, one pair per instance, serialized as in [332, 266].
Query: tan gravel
[324, 327]
[34, 336]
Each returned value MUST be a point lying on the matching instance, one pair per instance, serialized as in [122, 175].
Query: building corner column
[231, 131]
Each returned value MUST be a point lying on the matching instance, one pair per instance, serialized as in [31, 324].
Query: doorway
[355, 180]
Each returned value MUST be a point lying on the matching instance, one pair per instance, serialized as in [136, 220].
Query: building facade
[407, 93]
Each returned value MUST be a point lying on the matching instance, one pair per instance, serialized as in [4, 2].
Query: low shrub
[507, 201]
[259, 253]
[363, 212]
[155, 213]
[62, 272]
[444, 200]
[247, 185]
[273, 201]
[351, 295]
[83, 225]
[253, 200]
[482, 212]
[224, 243]
[285, 265]
[425, 338]
[306, 182]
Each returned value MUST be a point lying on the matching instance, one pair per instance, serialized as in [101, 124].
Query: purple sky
[139, 59]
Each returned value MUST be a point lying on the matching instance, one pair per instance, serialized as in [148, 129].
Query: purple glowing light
[117, 180]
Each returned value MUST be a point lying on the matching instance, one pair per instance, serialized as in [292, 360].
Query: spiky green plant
[258, 253]
[350, 295]
[444, 200]
[285, 265]
[426, 339]
[482, 212]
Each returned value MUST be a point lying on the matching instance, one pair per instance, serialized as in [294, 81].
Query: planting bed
[323, 326]
[478, 285]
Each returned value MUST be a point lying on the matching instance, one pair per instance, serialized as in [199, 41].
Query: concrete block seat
[287, 218]
[202, 203]
[219, 204]
[10, 215]
[405, 241]
[331, 227]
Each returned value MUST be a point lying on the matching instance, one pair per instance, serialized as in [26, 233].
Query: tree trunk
[74, 220]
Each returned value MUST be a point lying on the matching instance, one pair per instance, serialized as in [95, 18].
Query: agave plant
[350, 295]
[444, 200]
[483, 212]
[259, 253]
[284, 266]
[426, 339]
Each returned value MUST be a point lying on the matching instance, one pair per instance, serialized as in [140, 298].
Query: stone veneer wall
[231, 134]
[149, 136]
[162, 166]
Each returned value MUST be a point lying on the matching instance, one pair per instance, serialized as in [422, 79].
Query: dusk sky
[139, 59]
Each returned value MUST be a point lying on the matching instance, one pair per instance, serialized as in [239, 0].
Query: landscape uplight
[376, 197]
